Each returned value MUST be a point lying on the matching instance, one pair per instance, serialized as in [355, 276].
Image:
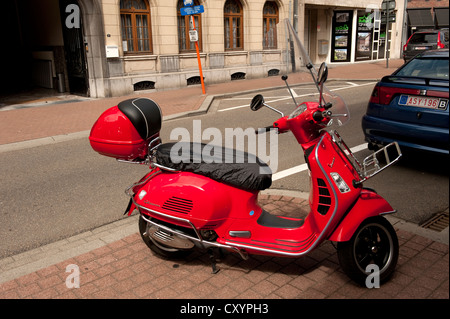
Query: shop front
[359, 35]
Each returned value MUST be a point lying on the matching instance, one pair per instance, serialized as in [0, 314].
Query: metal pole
[198, 58]
[388, 49]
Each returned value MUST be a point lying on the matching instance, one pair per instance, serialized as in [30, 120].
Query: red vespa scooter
[213, 204]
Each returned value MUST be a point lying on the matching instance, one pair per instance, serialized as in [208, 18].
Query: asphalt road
[56, 191]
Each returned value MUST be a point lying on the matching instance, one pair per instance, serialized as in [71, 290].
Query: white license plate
[421, 101]
[420, 48]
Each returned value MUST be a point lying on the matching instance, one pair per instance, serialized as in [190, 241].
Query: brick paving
[126, 268]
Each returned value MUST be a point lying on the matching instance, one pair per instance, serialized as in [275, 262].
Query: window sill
[190, 55]
[237, 52]
[138, 57]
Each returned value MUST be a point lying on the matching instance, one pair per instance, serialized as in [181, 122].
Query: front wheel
[374, 243]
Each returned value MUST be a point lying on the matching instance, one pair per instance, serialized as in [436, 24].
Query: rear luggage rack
[372, 164]
[379, 160]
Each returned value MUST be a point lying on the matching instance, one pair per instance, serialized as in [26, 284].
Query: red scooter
[213, 204]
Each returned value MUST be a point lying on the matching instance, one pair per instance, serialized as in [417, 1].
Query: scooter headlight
[340, 183]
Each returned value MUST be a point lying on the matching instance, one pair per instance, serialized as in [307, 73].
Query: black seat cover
[144, 114]
[236, 168]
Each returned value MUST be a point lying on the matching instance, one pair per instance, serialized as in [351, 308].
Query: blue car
[411, 106]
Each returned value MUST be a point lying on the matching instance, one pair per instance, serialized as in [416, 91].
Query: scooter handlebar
[318, 116]
[263, 129]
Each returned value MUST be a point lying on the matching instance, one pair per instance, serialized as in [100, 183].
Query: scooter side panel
[206, 203]
[328, 202]
[369, 204]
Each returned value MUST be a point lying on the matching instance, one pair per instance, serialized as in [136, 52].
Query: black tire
[374, 242]
[159, 249]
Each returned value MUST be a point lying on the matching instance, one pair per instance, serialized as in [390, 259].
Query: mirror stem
[290, 91]
[273, 109]
[321, 96]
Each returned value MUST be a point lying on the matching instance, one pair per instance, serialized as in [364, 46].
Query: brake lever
[330, 114]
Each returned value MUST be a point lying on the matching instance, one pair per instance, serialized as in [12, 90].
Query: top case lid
[144, 114]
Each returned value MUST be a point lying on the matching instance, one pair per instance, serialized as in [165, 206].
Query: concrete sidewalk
[114, 262]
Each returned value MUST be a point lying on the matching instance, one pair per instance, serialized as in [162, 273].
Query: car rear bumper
[380, 131]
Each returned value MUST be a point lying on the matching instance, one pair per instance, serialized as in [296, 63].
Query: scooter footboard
[368, 204]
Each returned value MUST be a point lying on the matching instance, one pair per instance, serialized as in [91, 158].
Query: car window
[433, 68]
[423, 38]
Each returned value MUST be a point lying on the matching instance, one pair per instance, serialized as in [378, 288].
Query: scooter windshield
[299, 61]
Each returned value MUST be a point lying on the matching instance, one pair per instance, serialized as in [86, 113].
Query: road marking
[304, 167]
[271, 101]
[293, 93]
[352, 85]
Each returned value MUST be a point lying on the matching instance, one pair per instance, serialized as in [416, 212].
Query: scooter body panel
[369, 204]
[206, 203]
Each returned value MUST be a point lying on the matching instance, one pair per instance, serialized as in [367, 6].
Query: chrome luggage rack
[372, 164]
[148, 160]
[152, 146]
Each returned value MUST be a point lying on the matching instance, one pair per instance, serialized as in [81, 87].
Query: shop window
[270, 20]
[184, 43]
[233, 25]
[135, 26]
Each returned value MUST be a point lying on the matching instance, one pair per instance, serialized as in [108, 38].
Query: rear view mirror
[323, 74]
[257, 102]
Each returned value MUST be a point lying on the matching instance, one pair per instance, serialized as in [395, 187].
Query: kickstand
[212, 258]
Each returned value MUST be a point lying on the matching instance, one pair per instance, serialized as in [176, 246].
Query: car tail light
[406, 44]
[434, 93]
[384, 94]
[439, 43]
[375, 97]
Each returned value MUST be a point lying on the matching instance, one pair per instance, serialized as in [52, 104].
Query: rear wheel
[158, 248]
[374, 243]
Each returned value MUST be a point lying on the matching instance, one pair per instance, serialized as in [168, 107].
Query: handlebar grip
[263, 129]
[317, 116]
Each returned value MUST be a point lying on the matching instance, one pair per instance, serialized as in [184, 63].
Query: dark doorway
[74, 46]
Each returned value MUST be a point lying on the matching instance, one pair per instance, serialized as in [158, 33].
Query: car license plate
[420, 48]
[420, 101]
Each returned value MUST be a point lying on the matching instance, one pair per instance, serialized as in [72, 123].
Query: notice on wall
[342, 36]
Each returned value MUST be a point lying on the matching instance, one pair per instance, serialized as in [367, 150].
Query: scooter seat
[236, 168]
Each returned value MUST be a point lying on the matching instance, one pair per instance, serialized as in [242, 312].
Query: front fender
[368, 204]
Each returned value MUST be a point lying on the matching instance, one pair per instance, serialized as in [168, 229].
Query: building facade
[104, 48]
[426, 14]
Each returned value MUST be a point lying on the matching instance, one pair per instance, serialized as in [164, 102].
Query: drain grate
[437, 223]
